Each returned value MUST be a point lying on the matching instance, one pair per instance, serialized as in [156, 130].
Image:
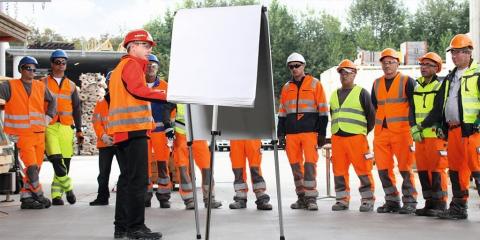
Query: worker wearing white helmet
[302, 123]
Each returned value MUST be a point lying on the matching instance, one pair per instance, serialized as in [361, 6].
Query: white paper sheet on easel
[214, 56]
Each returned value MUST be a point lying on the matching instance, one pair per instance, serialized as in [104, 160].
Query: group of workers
[433, 121]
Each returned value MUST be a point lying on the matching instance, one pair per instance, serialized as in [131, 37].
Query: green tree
[376, 24]
[437, 21]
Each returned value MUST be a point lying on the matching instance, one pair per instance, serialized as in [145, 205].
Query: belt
[453, 126]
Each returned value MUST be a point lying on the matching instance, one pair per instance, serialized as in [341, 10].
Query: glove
[320, 140]
[48, 119]
[417, 134]
[13, 138]
[476, 124]
[80, 137]
[107, 139]
[170, 133]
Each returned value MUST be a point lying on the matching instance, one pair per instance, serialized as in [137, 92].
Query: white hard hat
[295, 57]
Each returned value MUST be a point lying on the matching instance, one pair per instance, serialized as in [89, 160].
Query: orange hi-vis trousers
[386, 145]
[431, 157]
[352, 150]
[463, 162]
[160, 153]
[31, 150]
[240, 151]
[304, 170]
[201, 155]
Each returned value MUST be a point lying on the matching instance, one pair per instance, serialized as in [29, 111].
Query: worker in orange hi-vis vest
[130, 122]
[302, 124]
[161, 138]
[392, 96]
[25, 122]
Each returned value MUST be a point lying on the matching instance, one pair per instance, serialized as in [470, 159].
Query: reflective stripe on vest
[470, 93]
[349, 117]
[126, 113]
[304, 100]
[423, 97]
[392, 105]
[24, 114]
[63, 95]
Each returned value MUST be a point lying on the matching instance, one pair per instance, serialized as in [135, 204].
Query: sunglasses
[294, 66]
[30, 69]
[427, 65]
[58, 62]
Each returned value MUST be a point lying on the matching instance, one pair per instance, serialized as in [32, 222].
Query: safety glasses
[60, 62]
[29, 69]
[427, 65]
[144, 44]
[294, 66]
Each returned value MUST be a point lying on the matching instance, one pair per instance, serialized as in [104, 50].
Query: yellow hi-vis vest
[350, 116]
[470, 93]
[180, 119]
[423, 97]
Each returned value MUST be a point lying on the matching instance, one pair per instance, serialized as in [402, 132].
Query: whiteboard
[214, 56]
[236, 119]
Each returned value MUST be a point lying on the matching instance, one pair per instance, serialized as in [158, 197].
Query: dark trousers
[105, 158]
[132, 157]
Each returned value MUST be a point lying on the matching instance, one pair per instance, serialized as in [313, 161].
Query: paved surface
[81, 221]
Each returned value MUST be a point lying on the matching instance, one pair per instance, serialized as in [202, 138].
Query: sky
[91, 18]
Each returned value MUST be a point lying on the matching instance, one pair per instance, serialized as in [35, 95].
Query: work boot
[58, 201]
[425, 211]
[438, 207]
[367, 206]
[407, 209]
[214, 204]
[189, 205]
[300, 203]
[45, 201]
[263, 205]
[338, 206]
[389, 207]
[164, 204]
[71, 197]
[312, 204]
[148, 199]
[144, 233]
[98, 202]
[238, 204]
[456, 211]
[30, 203]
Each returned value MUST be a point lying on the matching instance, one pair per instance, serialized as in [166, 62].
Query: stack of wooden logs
[92, 89]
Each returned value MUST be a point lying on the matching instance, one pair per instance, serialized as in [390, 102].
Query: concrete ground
[81, 221]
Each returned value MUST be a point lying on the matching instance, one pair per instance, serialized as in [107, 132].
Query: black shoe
[58, 201]
[30, 203]
[144, 233]
[45, 201]
[300, 203]
[238, 204]
[456, 211]
[71, 197]
[427, 210]
[407, 209]
[164, 204]
[99, 202]
[389, 207]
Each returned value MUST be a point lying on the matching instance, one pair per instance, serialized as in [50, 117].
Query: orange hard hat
[389, 52]
[138, 35]
[434, 57]
[460, 41]
[346, 64]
